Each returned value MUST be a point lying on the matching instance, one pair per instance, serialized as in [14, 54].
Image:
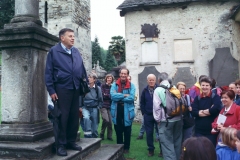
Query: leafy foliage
[6, 11]
[110, 62]
[96, 53]
[117, 48]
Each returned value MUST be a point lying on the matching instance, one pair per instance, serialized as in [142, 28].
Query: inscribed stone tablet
[183, 49]
[184, 75]
[223, 67]
[150, 52]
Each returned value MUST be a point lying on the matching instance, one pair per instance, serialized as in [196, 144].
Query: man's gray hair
[163, 76]
[93, 75]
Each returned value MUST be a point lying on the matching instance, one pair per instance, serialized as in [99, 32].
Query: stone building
[185, 38]
[74, 14]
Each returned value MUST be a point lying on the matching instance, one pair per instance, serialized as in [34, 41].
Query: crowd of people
[202, 122]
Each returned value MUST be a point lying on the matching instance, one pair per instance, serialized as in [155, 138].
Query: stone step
[107, 152]
[88, 145]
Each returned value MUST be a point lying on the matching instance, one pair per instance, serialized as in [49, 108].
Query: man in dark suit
[64, 69]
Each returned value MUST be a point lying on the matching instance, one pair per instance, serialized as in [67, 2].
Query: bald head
[151, 80]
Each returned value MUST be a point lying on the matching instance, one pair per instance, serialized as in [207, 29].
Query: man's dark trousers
[68, 101]
[121, 129]
[149, 127]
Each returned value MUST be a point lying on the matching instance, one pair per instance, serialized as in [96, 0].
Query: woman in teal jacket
[122, 108]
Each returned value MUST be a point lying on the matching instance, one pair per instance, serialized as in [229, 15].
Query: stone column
[24, 43]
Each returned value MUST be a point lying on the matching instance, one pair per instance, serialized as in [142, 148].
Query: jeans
[90, 119]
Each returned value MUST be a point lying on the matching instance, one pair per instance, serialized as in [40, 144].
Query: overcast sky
[106, 21]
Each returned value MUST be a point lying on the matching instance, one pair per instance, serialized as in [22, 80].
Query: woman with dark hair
[205, 109]
[105, 110]
[198, 148]
[230, 111]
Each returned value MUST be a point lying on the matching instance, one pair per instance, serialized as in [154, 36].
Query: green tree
[6, 11]
[117, 48]
[104, 54]
[96, 53]
[110, 62]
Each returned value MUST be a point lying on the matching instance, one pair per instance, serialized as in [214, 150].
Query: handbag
[83, 88]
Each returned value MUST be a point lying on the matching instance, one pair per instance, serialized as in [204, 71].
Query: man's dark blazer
[63, 70]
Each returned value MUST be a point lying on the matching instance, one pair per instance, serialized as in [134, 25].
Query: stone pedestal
[24, 45]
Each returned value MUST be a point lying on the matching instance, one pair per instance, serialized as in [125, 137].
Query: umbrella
[56, 113]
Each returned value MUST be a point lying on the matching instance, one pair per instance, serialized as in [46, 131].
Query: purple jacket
[106, 95]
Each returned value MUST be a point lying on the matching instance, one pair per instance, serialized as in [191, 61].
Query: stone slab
[25, 132]
[89, 145]
[184, 74]
[43, 149]
[142, 77]
[223, 67]
[107, 152]
[26, 150]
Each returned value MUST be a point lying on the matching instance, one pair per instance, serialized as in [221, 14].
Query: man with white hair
[146, 105]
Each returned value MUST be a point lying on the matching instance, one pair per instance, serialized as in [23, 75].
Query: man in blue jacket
[64, 69]
[146, 105]
[122, 108]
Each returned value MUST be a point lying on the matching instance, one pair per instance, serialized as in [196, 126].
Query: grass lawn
[138, 148]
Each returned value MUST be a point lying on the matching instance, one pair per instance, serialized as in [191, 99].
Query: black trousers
[149, 123]
[123, 132]
[68, 101]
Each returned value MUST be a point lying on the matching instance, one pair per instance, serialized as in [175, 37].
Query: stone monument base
[25, 132]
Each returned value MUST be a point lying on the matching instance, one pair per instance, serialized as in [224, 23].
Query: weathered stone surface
[43, 149]
[223, 67]
[74, 14]
[108, 152]
[23, 88]
[26, 11]
[184, 74]
[208, 31]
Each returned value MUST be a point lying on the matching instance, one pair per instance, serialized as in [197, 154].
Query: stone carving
[150, 31]
[99, 70]
[184, 74]
[223, 67]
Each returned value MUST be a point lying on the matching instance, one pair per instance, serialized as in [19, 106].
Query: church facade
[74, 14]
[185, 38]
[172, 35]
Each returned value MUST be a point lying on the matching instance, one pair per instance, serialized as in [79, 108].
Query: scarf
[127, 85]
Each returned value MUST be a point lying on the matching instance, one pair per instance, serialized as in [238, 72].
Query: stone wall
[74, 14]
[207, 25]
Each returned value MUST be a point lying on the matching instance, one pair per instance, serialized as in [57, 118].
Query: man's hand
[54, 97]
[80, 109]
[190, 108]
[126, 95]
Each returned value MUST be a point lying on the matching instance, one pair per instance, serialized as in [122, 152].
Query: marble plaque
[223, 67]
[184, 74]
[183, 49]
[142, 78]
[149, 52]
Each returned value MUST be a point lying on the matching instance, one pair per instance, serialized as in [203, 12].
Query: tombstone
[223, 67]
[142, 77]
[184, 74]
